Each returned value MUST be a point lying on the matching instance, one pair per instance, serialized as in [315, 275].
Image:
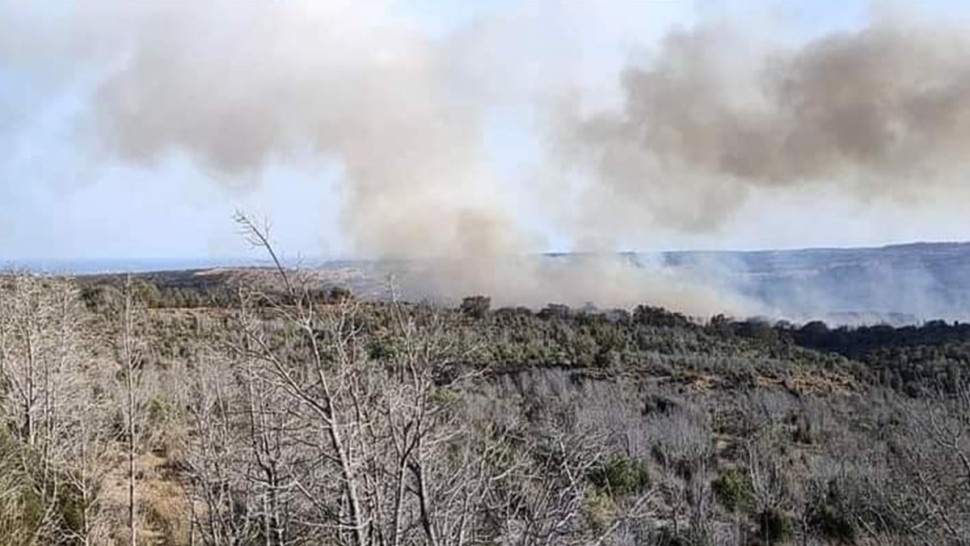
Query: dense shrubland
[135, 413]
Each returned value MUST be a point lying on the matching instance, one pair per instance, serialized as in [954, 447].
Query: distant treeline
[933, 355]
[103, 291]
[916, 358]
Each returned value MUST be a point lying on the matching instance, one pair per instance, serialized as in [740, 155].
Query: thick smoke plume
[238, 87]
[880, 112]
[278, 80]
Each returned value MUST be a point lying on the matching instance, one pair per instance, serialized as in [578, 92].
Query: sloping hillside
[902, 283]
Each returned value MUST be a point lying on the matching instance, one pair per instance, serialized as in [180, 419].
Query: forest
[138, 413]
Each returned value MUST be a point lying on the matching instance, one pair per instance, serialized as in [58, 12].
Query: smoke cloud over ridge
[271, 80]
[882, 112]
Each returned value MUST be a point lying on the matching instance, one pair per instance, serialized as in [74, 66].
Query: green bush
[599, 509]
[827, 514]
[733, 490]
[31, 505]
[339, 294]
[476, 306]
[620, 475]
[774, 526]
[691, 536]
[443, 396]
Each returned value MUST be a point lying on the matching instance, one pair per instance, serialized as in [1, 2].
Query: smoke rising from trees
[880, 112]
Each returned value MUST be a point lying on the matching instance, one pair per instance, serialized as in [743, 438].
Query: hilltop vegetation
[897, 284]
[241, 415]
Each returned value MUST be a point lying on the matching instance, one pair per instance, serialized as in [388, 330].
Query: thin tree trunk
[83, 480]
[131, 462]
[424, 503]
[130, 388]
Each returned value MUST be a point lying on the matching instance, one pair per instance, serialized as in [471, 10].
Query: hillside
[260, 413]
[900, 284]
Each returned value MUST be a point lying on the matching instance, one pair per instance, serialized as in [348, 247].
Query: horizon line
[65, 264]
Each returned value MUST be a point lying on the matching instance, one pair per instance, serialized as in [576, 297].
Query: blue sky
[62, 197]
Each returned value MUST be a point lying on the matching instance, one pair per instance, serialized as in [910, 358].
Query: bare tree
[217, 461]
[682, 451]
[933, 458]
[129, 354]
[55, 401]
[381, 439]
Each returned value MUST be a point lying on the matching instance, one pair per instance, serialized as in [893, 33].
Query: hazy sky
[63, 195]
